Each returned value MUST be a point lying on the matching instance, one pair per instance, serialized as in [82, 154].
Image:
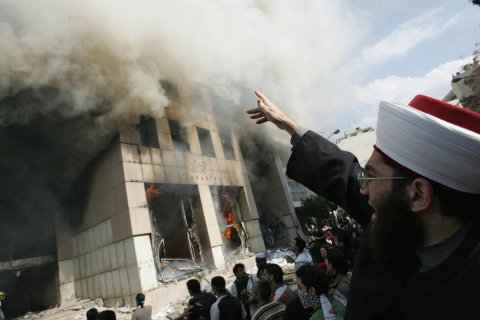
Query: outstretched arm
[268, 111]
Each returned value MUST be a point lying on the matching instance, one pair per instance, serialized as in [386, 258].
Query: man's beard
[396, 232]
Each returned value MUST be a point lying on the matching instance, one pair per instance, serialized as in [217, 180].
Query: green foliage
[317, 207]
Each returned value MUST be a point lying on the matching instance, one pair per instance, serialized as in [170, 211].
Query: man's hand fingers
[262, 121]
[254, 110]
[262, 97]
[257, 115]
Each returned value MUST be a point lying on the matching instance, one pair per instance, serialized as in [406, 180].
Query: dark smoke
[45, 149]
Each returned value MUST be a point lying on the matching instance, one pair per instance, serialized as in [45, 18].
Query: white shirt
[304, 258]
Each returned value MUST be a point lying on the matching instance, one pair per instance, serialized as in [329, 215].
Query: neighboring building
[465, 88]
[276, 195]
[168, 194]
[359, 142]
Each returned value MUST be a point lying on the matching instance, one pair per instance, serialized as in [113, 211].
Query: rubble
[77, 309]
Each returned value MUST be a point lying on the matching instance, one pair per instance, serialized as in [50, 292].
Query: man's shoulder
[202, 297]
[271, 310]
[143, 313]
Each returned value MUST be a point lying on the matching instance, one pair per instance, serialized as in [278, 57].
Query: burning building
[168, 196]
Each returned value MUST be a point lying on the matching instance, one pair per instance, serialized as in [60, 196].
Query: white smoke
[110, 55]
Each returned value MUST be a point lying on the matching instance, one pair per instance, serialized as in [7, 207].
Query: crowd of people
[260, 296]
[265, 296]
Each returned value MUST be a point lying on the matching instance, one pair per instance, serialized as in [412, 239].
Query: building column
[250, 216]
[208, 229]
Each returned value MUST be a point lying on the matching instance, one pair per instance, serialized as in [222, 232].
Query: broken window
[179, 136]
[176, 242]
[205, 142]
[226, 139]
[147, 131]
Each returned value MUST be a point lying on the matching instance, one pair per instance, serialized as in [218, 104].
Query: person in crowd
[199, 305]
[261, 262]
[357, 239]
[283, 228]
[298, 246]
[341, 240]
[226, 307]
[312, 301]
[323, 261]
[419, 194]
[107, 315]
[142, 312]
[267, 309]
[273, 274]
[242, 288]
[269, 237]
[338, 273]
[92, 314]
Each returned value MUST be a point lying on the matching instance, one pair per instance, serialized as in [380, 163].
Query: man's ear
[311, 290]
[420, 195]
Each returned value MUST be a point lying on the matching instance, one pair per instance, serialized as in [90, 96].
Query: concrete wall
[109, 255]
[113, 270]
[361, 145]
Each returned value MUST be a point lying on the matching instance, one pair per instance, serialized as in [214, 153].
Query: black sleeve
[330, 172]
[294, 311]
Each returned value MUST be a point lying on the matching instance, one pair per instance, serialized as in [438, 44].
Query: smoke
[110, 55]
[72, 72]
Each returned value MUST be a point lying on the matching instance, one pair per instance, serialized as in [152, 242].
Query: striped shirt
[270, 311]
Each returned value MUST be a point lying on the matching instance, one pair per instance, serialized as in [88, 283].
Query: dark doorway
[175, 230]
[32, 289]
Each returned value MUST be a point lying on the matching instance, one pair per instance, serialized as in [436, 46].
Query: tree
[317, 207]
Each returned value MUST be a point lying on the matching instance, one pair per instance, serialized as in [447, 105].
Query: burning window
[147, 131]
[179, 136]
[205, 142]
[229, 220]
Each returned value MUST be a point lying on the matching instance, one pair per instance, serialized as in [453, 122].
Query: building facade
[171, 190]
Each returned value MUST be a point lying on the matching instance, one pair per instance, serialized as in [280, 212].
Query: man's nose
[364, 191]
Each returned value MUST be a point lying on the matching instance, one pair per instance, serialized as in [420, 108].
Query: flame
[151, 192]
[228, 215]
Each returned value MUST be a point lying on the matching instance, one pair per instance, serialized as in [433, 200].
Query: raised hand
[268, 111]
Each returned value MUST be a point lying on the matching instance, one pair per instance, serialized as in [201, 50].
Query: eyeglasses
[363, 179]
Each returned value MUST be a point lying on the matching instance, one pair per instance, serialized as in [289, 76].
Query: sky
[409, 47]
[326, 63]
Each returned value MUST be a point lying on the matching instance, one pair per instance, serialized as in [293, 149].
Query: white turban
[433, 139]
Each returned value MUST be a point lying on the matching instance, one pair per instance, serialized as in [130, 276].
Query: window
[179, 136]
[205, 142]
[171, 90]
[147, 131]
[220, 105]
[226, 139]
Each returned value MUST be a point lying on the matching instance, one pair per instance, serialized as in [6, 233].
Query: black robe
[449, 291]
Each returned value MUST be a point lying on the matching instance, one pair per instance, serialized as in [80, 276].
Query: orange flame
[151, 192]
[228, 215]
